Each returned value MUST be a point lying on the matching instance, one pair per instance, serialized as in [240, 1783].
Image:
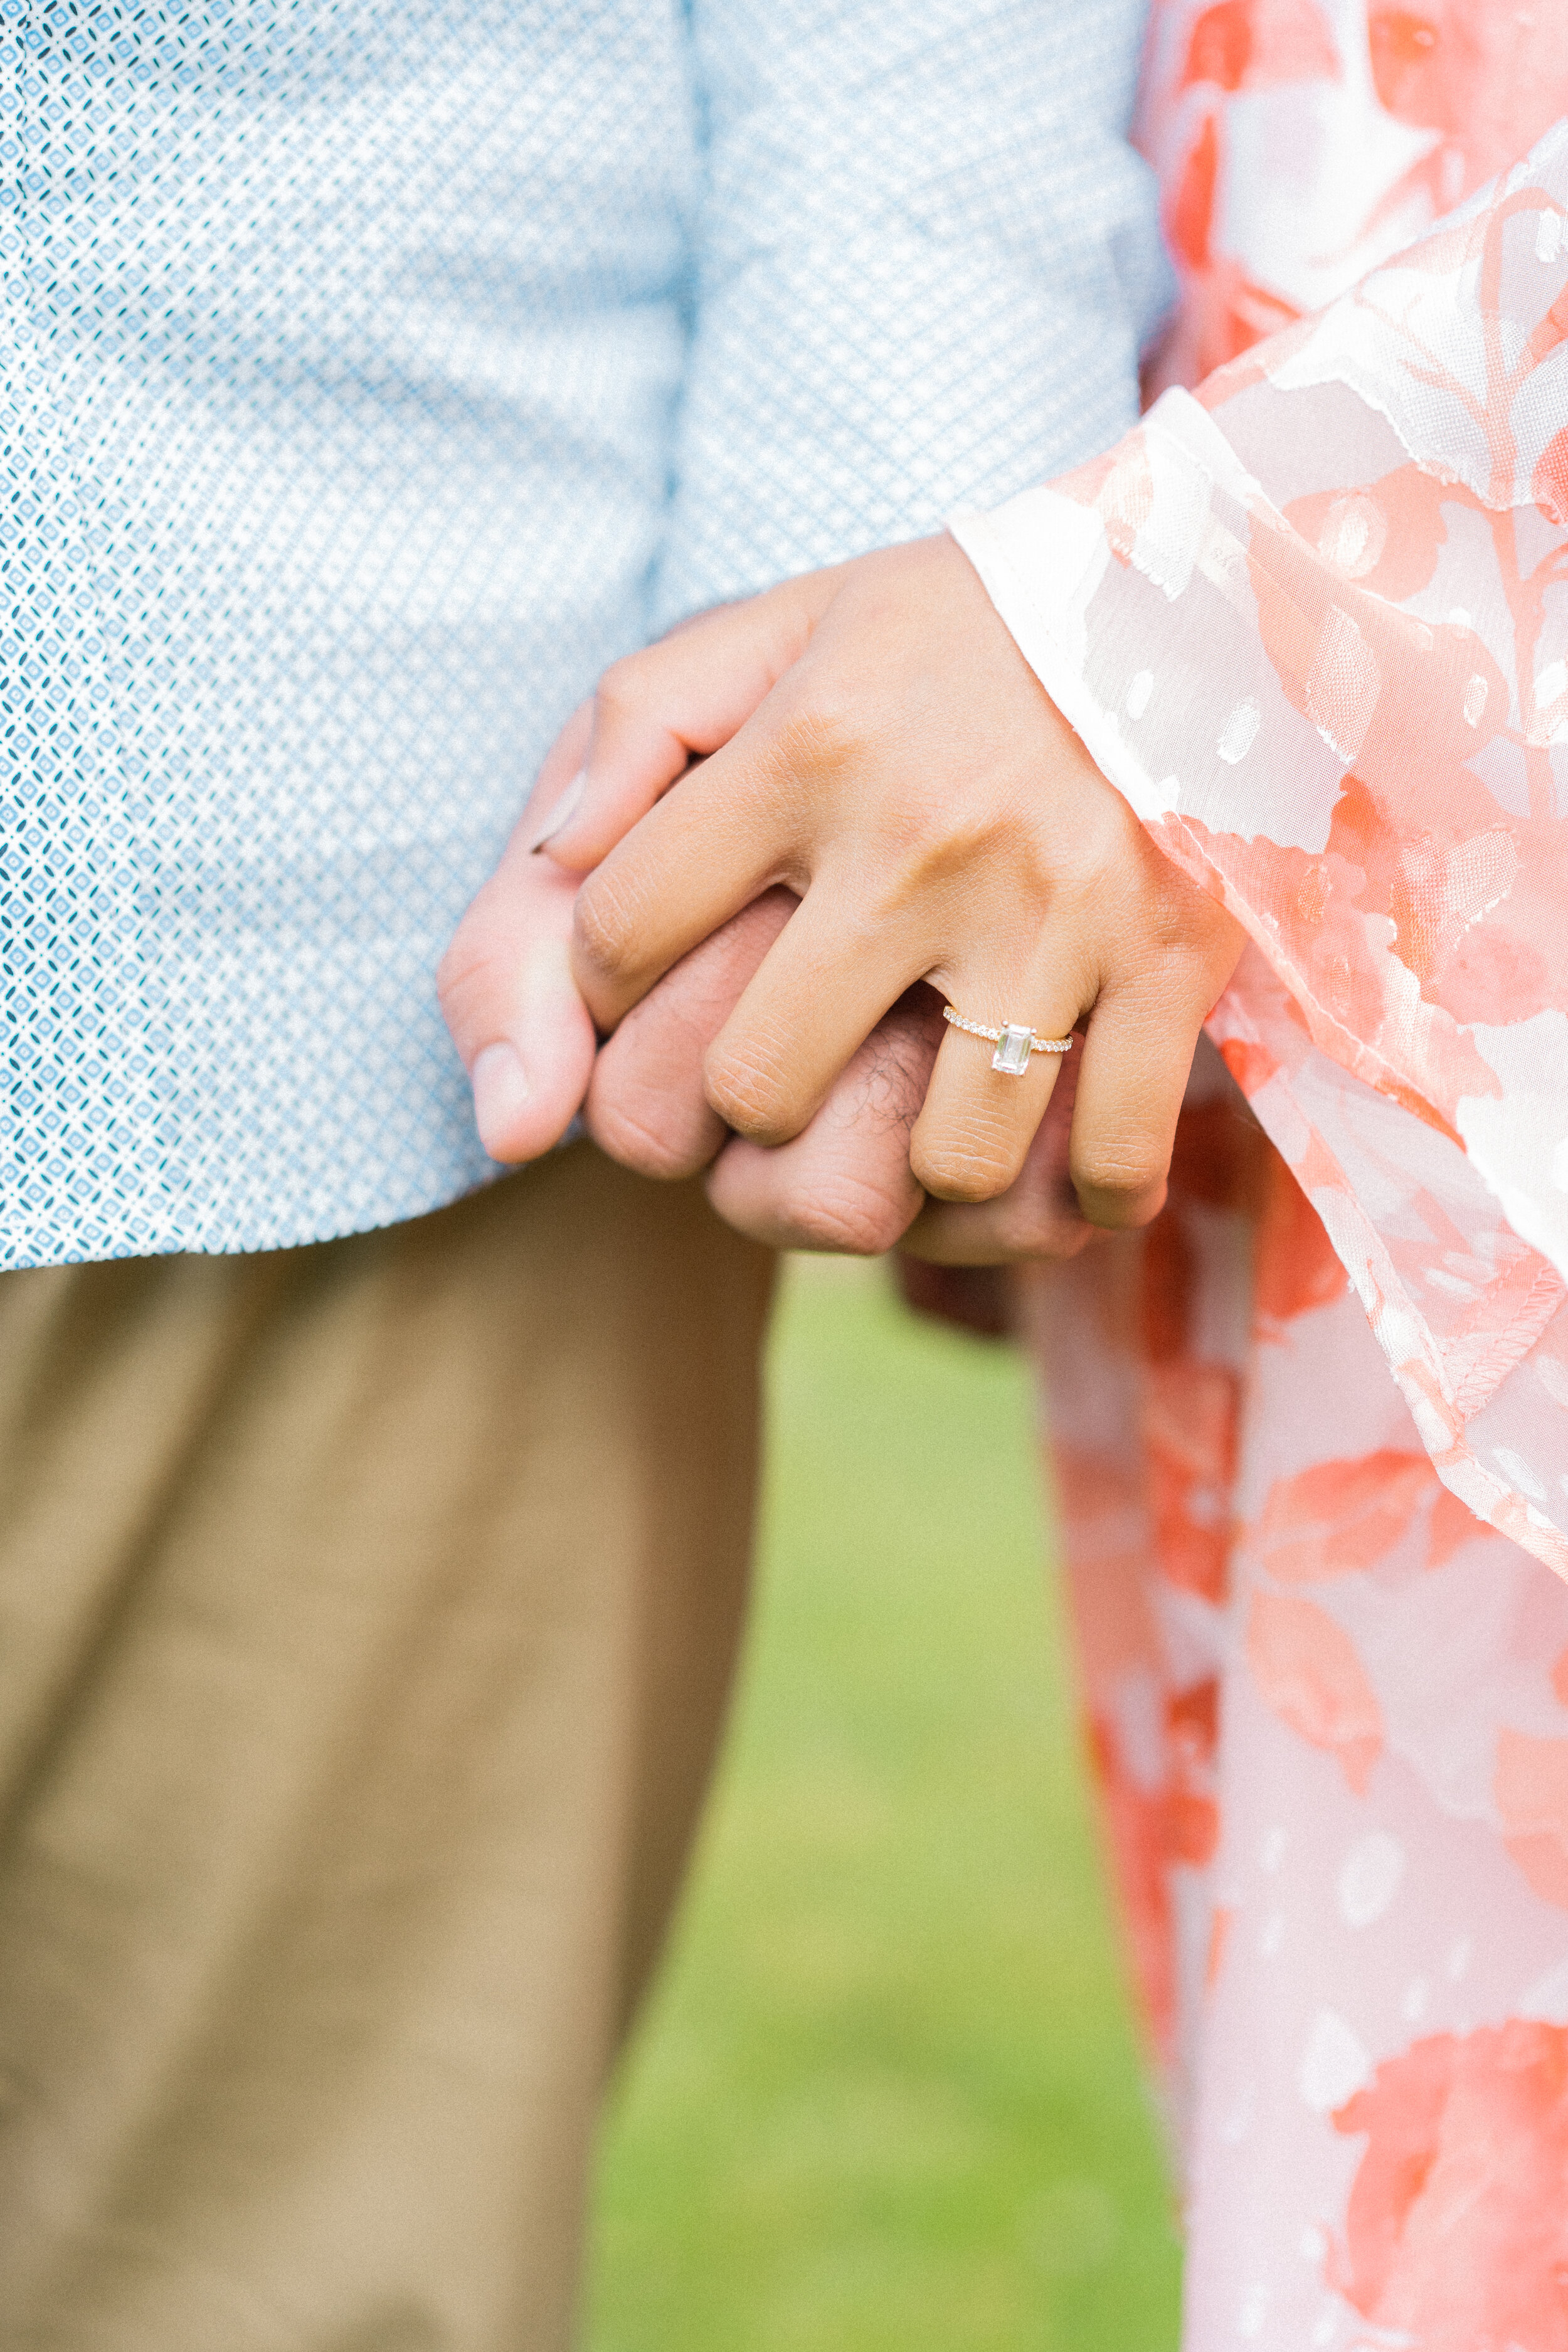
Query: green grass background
[887, 2097]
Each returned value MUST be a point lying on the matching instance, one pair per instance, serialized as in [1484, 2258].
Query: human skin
[845, 1184]
[879, 748]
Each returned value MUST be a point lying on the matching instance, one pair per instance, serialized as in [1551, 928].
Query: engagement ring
[1013, 1044]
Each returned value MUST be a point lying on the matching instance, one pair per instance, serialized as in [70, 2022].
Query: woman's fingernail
[565, 809]
[501, 1091]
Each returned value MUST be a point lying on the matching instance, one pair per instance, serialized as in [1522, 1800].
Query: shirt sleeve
[1313, 622]
[927, 260]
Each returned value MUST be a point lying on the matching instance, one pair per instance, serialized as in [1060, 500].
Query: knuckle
[605, 928]
[1119, 1188]
[624, 687]
[931, 846]
[824, 728]
[649, 1119]
[1184, 937]
[974, 1171]
[850, 1218]
[750, 1097]
[646, 1150]
[1107, 1170]
[471, 983]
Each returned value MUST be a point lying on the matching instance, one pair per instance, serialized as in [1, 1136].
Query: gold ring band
[1014, 1043]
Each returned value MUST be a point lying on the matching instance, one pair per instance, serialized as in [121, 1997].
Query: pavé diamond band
[1013, 1044]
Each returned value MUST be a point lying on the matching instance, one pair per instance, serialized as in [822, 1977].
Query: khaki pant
[366, 1616]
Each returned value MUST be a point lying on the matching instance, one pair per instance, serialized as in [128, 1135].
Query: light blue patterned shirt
[374, 371]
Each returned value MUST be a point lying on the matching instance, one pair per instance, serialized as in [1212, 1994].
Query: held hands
[908, 778]
[845, 1183]
[882, 751]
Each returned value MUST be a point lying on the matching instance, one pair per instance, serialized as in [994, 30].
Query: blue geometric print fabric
[372, 374]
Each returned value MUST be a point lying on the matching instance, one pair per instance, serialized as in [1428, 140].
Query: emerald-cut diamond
[1012, 1054]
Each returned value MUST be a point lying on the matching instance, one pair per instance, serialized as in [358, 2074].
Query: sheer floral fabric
[1314, 623]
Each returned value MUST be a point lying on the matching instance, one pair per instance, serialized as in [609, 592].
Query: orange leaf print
[1136, 1827]
[1453, 1524]
[1155, 1828]
[1457, 2228]
[1189, 1430]
[1298, 1267]
[1342, 1515]
[1190, 1828]
[1191, 1718]
[1387, 535]
[1407, 66]
[1190, 212]
[1306, 1666]
[1250, 44]
[1531, 1789]
[1549, 483]
[1492, 78]
[1250, 1064]
[1220, 50]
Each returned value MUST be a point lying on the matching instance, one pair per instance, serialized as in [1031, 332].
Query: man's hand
[514, 1012]
[844, 1183]
[505, 982]
[905, 775]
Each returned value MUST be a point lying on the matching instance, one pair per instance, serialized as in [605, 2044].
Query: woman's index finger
[713, 844]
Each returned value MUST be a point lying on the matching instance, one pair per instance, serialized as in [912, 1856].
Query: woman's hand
[844, 1183]
[904, 773]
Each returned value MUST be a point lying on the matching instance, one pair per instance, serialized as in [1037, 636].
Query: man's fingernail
[501, 1090]
[565, 809]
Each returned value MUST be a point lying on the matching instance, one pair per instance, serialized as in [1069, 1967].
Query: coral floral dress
[1311, 1438]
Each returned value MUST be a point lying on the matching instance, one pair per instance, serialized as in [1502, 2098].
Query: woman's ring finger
[1015, 1044]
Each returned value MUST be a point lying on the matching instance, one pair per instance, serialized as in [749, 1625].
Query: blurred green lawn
[888, 2097]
